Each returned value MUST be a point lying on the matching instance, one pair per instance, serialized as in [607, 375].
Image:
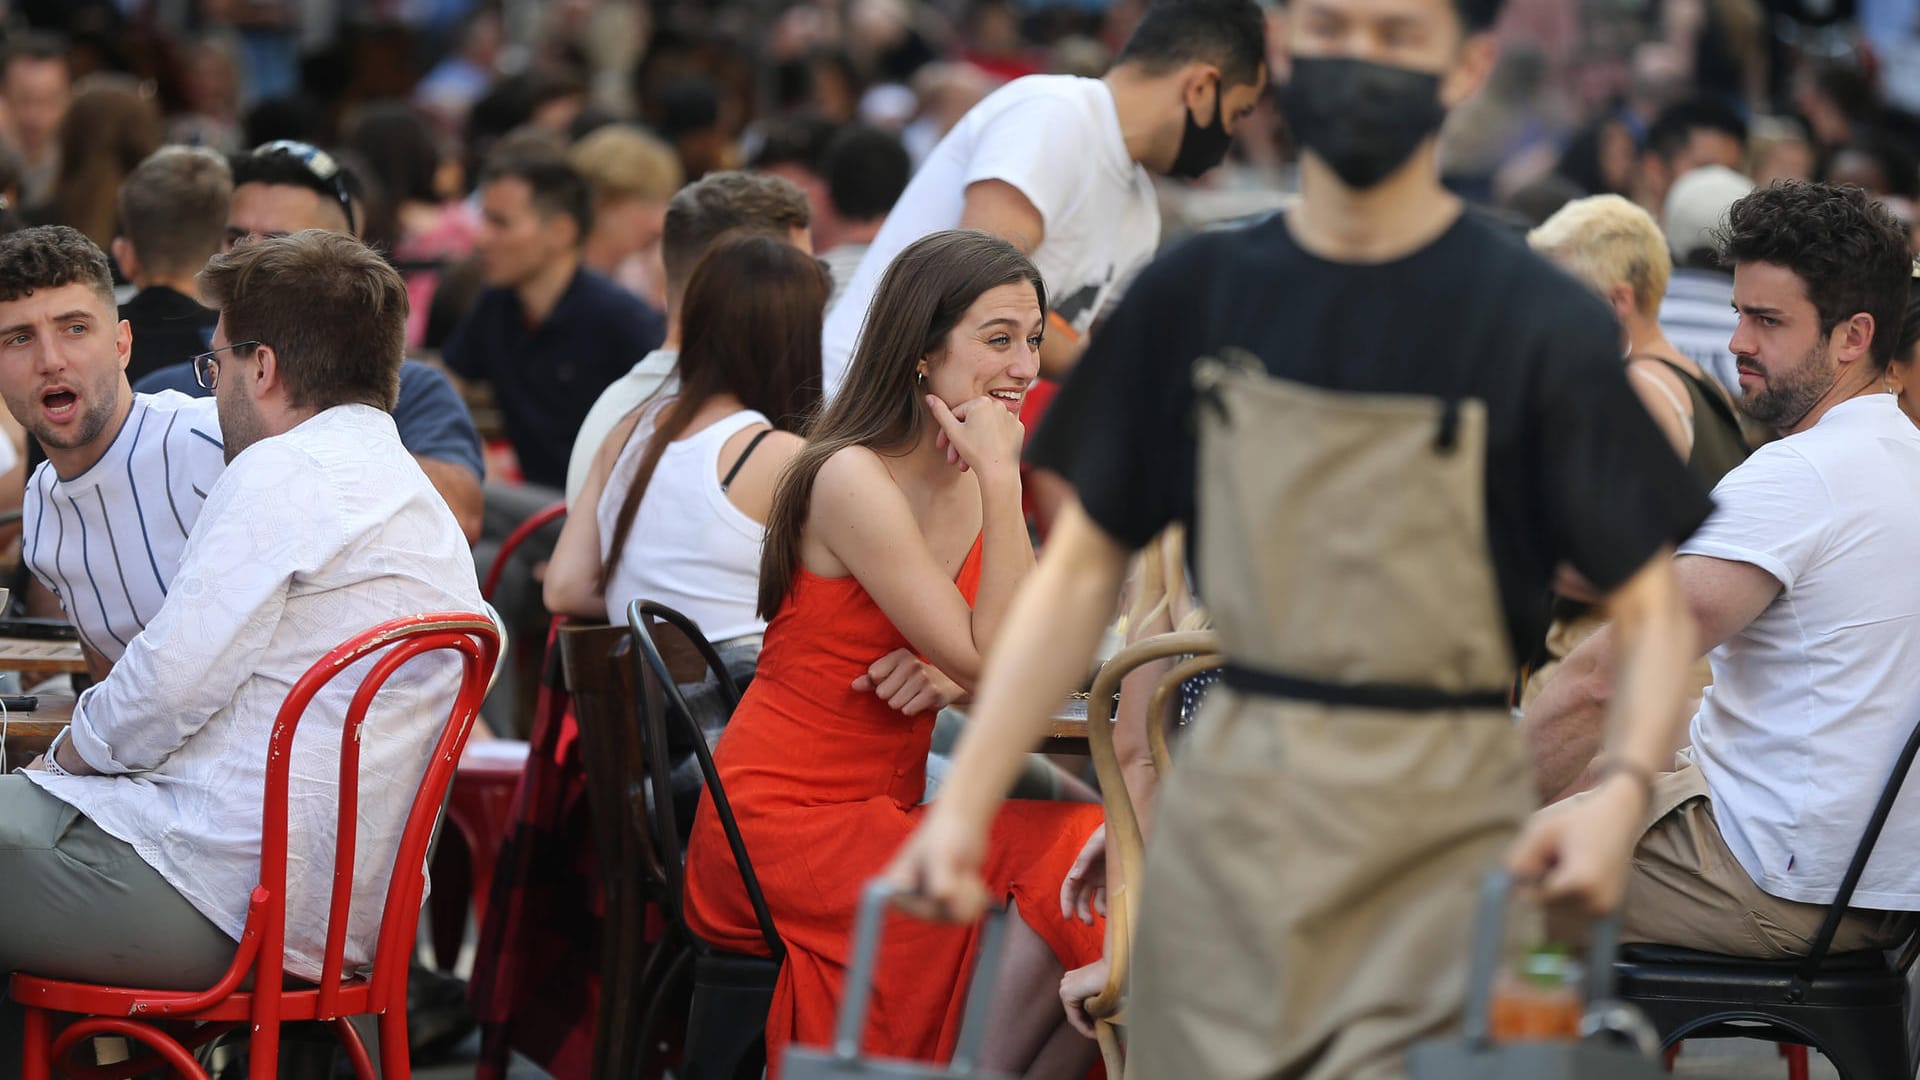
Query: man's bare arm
[1565, 724]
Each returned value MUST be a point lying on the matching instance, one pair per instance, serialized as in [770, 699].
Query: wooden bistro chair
[1852, 1007]
[726, 1023]
[602, 679]
[1125, 846]
[146, 1015]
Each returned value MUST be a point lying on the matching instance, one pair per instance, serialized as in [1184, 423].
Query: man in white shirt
[127, 853]
[1801, 589]
[698, 214]
[1058, 164]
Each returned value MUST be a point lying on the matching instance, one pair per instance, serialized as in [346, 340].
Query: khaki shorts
[1687, 889]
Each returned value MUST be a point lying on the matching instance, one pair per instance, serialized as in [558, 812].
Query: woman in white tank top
[675, 506]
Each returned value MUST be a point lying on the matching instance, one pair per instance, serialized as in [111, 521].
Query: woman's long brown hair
[920, 300]
[750, 327]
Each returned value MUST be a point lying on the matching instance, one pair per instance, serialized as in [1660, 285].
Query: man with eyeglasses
[127, 851]
[285, 187]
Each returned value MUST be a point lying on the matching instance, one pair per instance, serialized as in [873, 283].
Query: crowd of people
[1456, 360]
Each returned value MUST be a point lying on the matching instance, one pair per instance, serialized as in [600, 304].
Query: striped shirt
[107, 542]
[1698, 318]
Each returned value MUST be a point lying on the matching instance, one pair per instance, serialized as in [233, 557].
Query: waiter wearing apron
[1387, 424]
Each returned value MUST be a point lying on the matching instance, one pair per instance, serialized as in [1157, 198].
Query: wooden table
[1067, 731]
[35, 656]
[25, 734]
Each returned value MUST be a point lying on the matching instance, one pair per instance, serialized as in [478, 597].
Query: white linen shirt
[307, 539]
[1811, 702]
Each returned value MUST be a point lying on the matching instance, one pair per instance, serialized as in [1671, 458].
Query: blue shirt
[433, 421]
[546, 377]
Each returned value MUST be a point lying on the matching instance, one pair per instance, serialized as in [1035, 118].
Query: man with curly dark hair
[1813, 633]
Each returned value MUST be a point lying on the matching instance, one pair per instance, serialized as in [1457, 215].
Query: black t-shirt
[1576, 470]
[168, 327]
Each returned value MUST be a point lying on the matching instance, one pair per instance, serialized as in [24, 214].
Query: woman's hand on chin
[908, 684]
[981, 435]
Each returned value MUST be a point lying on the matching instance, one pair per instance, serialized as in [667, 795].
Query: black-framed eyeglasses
[320, 165]
[206, 365]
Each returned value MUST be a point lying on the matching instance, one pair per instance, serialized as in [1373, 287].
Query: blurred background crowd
[1591, 96]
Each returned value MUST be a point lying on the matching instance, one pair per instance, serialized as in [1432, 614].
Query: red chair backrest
[513, 541]
[398, 641]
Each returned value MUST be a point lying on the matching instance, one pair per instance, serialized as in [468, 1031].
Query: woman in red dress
[893, 552]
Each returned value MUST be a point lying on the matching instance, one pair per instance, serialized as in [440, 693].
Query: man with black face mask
[1058, 165]
[1388, 425]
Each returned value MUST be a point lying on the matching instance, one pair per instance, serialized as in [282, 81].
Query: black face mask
[1201, 148]
[1363, 119]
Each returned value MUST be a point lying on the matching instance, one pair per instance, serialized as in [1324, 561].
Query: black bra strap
[742, 459]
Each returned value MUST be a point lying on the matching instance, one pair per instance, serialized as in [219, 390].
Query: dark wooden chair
[602, 677]
[726, 1021]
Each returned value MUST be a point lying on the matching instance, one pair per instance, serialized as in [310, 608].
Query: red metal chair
[382, 991]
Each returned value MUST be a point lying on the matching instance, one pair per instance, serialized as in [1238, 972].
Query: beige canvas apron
[1309, 890]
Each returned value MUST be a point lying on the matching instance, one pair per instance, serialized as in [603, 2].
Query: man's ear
[1195, 93]
[1852, 340]
[564, 230]
[128, 259]
[269, 361]
[1478, 53]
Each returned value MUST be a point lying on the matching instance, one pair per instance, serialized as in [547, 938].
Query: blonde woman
[1617, 250]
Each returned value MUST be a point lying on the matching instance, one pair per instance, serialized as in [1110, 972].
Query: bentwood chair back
[1125, 843]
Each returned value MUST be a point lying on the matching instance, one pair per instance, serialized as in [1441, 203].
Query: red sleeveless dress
[825, 783]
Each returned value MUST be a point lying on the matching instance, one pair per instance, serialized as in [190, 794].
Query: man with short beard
[106, 516]
[1801, 586]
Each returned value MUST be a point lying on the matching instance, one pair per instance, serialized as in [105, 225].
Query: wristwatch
[53, 757]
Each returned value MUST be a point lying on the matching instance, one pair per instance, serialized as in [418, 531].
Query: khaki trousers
[1687, 889]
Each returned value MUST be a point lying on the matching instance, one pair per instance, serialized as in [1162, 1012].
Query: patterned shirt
[307, 538]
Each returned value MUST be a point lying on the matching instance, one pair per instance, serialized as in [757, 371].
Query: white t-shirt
[615, 402]
[690, 548]
[108, 542]
[1811, 703]
[1057, 139]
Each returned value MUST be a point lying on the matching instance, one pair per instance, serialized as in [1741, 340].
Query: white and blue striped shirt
[107, 542]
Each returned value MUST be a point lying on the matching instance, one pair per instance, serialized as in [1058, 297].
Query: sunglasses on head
[320, 165]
